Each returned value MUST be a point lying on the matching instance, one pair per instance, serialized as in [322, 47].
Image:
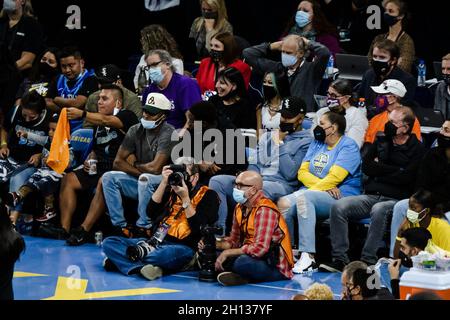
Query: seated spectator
[224, 53]
[433, 175]
[22, 156]
[442, 96]
[259, 247]
[319, 291]
[277, 156]
[11, 246]
[214, 20]
[150, 144]
[310, 22]
[111, 75]
[331, 170]
[390, 164]
[154, 37]
[73, 87]
[395, 16]
[275, 89]
[413, 241]
[384, 62]
[304, 76]
[390, 93]
[45, 181]
[339, 95]
[179, 212]
[347, 275]
[42, 75]
[181, 91]
[109, 132]
[360, 287]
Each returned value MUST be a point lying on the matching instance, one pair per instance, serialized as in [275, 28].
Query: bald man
[259, 247]
[304, 75]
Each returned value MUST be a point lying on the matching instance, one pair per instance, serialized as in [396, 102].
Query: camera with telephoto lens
[178, 175]
[208, 255]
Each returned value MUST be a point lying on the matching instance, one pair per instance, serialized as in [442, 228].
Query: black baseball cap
[292, 107]
[108, 73]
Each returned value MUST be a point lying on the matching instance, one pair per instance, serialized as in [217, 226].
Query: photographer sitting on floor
[259, 246]
[178, 208]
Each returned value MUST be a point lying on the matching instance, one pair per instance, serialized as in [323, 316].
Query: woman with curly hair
[156, 37]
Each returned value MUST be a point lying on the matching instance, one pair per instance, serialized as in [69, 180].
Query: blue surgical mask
[149, 124]
[156, 75]
[288, 60]
[239, 196]
[9, 5]
[302, 18]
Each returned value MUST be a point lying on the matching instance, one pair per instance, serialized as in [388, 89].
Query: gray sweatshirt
[442, 99]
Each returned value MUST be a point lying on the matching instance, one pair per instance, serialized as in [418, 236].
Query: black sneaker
[78, 236]
[51, 231]
[231, 279]
[108, 265]
[335, 266]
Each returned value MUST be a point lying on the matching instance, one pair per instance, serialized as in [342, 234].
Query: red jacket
[207, 72]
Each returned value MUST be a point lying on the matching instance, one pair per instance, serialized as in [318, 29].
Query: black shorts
[87, 181]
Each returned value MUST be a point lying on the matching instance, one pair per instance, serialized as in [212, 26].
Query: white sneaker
[305, 264]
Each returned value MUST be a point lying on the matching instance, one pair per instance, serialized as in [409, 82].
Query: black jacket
[391, 169]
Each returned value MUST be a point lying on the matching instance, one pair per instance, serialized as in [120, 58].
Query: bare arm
[95, 118]
[156, 166]
[121, 163]
[79, 102]
[25, 61]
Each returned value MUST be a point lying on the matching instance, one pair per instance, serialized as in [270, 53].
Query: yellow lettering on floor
[19, 274]
[75, 289]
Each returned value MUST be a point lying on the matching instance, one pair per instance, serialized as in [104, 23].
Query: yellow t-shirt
[440, 231]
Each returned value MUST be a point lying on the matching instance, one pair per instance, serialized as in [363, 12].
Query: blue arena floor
[51, 270]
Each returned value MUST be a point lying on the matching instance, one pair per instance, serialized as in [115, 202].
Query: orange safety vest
[250, 226]
[179, 228]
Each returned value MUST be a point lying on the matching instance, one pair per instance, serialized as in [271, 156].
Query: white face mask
[116, 110]
[413, 216]
[9, 5]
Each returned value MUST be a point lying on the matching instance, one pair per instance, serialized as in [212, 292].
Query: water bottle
[142, 80]
[421, 73]
[330, 67]
[362, 105]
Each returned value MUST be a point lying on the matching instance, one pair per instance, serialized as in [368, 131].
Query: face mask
[447, 79]
[155, 75]
[9, 5]
[320, 134]
[405, 260]
[239, 196]
[288, 60]
[269, 92]
[116, 111]
[302, 18]
[46, 70]
[287, 127]
[413, 216]
[210, 15]
[443, 141]
[389, 20]
[381, 68]
[332, 103]
[216, 56]
[390, 130]
[148, 125]
[381, 103]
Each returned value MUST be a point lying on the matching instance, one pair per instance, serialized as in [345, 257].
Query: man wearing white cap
[390, 93]
[150, 144]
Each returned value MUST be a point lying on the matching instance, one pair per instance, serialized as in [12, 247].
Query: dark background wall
[111, 29]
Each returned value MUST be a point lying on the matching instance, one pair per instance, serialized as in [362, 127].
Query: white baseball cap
[391, 86]
[157, 103]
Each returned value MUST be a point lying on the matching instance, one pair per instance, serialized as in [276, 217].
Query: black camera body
[178, 175]
[208, 256]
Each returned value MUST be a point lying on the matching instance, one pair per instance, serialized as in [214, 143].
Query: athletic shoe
[78, 236]
[305, 264]
[151, 272]
[49, 213]
[335, 266]
[47, 230]
[231, 279]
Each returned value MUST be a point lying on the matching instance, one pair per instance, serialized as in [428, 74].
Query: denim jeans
[18, 180]
[223, 185]
[308, 206]
[168, 256]
[375, 207]
[256, 270]
[117, 184]
[398, 216]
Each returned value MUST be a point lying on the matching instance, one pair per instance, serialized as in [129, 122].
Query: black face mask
[216, 55]
[287, 127]
[46, 70]
[210, 15]
[389, 20]
[269, 92]
[405, 260]
[381, 68]
[390, 130]
[443, 141]
[446, 79]
[320, 134]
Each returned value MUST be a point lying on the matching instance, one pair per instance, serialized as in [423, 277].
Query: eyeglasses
[333, 96]
[155, 64]
[239, 186]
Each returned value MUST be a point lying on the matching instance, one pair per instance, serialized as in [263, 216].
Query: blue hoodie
[281, 164]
